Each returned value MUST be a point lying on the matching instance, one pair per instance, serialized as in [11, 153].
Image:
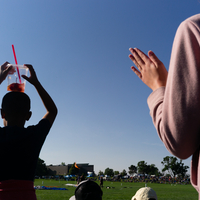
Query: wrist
[155, 87]
[37, 84]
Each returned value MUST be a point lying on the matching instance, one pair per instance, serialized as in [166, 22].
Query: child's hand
[32, 78]
[150, 69]
[4, 70]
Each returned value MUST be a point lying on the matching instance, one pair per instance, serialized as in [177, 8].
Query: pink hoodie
[175, 109]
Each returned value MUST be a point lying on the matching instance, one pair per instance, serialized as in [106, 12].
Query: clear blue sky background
[79, 49]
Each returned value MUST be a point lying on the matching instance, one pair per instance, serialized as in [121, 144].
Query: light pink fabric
[175, 109]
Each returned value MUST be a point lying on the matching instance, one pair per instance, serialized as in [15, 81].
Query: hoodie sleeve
[175, 109]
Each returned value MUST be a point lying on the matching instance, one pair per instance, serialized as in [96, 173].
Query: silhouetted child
[19, 146]
[87, 190]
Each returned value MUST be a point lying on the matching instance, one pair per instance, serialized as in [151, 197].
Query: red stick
[16, 64]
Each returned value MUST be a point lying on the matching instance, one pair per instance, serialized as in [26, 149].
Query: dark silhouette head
[15, 107]
[87, 190]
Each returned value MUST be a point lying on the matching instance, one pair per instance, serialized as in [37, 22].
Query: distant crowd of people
[157, 179]
[150, 179]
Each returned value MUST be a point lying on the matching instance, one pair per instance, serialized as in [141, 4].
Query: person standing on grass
[101, 181]
[175, 101]
[20, 146]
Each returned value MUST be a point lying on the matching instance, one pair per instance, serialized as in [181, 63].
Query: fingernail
[150, 53]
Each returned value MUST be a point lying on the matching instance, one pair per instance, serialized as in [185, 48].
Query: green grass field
[118, 191]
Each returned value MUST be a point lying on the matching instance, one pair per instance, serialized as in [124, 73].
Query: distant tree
[152, 170]
[100, 173]
[63, 163]
[73, 170]
[174, 166]
[109, 172]
[116, 172]
[142, 167]
[132, 169]
[41, 169]
[123, 173]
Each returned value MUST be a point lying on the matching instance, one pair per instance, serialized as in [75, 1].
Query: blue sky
[79, 49]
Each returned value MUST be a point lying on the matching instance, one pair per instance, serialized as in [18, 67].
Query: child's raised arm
[46, 99]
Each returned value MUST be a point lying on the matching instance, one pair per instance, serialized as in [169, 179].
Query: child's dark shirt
[19, 150]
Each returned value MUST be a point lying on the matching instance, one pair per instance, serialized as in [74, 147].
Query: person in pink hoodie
[175, 101]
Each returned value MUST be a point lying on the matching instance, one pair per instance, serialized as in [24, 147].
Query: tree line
[171, 165]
